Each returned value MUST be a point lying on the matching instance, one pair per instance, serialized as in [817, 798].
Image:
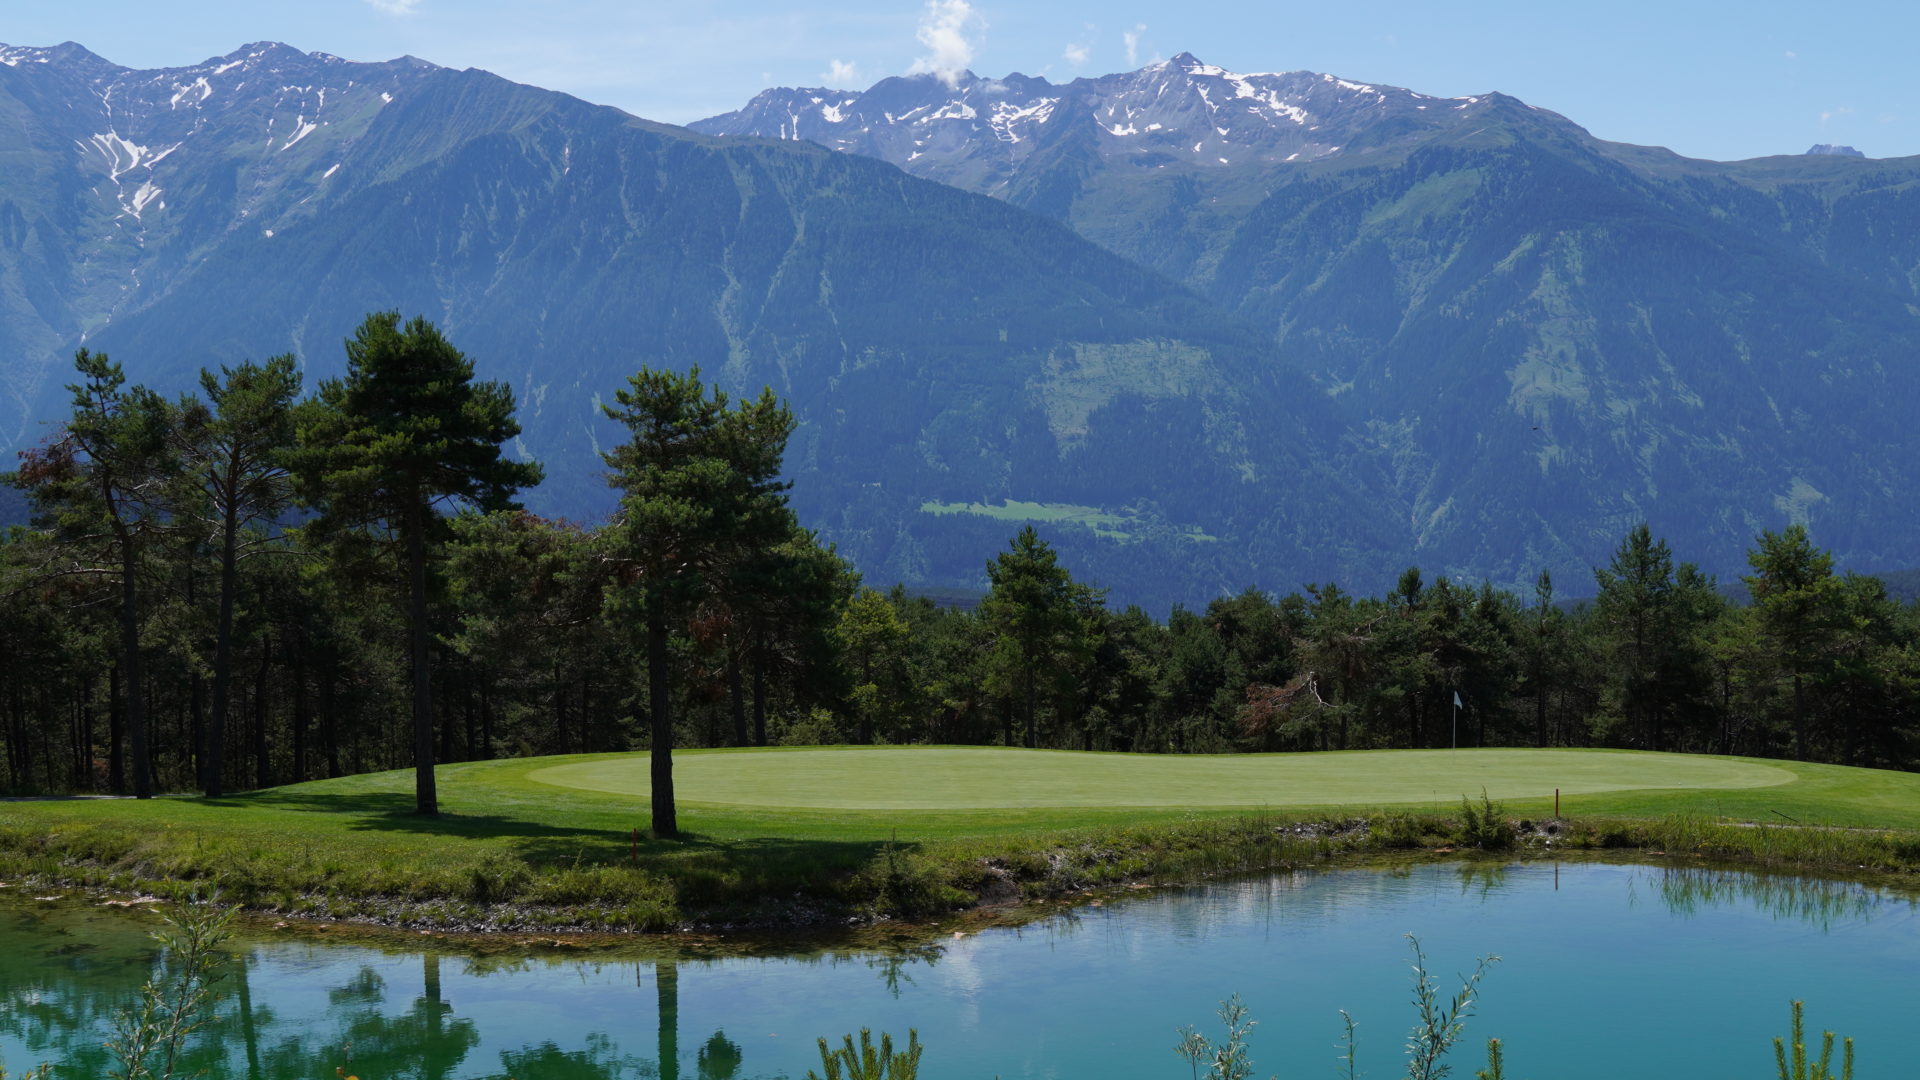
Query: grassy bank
[813, 837]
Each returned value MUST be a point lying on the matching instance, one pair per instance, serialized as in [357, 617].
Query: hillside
[1541, 338]
[958, 365]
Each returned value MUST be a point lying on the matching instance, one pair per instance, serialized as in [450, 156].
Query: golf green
[928, 778]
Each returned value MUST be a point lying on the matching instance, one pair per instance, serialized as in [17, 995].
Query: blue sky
[1711, 79]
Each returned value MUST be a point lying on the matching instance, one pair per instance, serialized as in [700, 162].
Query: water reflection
[895, 966]
[720, 1058]
[1478, 878]
[1299, 945]
[1690, 890]
[72, 972]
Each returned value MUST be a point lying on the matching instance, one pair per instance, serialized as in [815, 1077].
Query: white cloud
[1791, 55]
[944, 30]
[1131, 39]
[394, 7]
[1076, 54]
[840, 74]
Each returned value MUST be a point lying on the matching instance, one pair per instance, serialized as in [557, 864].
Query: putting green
[928, 778]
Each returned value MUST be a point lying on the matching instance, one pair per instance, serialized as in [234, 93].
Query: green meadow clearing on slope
[1111, 526]
[789, 835]
[1121, 525]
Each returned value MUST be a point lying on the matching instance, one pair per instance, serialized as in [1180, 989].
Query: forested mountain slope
[945, 352]
[1540, 337]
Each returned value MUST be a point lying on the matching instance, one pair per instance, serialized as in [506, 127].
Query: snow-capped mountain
[1177, 114]
[1539, 333]
[265, 116]
[139, 173]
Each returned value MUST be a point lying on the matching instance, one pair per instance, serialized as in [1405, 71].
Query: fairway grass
[810, 835]
[983, 778]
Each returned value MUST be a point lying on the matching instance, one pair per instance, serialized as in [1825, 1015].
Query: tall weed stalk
[177, 1001]
[867, 1062]
[1229, 1060]
[1792, 1061]
[1440, 1023]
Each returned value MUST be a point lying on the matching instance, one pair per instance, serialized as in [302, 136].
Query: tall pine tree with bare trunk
[699, 486]
[104, 484]
[407, 431]
[235, 447]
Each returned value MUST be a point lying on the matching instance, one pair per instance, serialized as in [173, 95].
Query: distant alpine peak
[266, 55]
[1832, 150]
[1181, 113]
[144, 138]
[67, 53]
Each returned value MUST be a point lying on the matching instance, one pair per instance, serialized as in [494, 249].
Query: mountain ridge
[1538, 337]
[942, 350]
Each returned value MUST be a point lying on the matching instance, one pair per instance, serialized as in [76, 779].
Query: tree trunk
[329, 722]
[75, 769]
[426, 798]
[586, 710]
[659, 706]
[17, 777]
[116, 734]
[262, 767]
[222, 658]
[300, 718]
[470, 709]
[130, 661]
[760, 696]
[86, 732]
[197, 727]
[559, 710]
[1799, 719]
[1540, 715]
[1026, 702]
[736, 699]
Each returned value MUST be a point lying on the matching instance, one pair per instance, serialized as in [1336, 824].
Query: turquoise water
[1607, 971]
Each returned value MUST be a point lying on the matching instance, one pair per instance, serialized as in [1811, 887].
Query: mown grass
[511, 851]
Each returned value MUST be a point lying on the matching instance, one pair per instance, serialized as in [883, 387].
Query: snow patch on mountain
[123, 155]
[1007, 118]
[302, 128]
[145, 195]
[183, 90]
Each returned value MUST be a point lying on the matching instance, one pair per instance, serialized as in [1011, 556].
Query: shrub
[1485, 826]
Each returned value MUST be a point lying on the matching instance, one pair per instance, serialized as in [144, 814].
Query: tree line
[245, 587]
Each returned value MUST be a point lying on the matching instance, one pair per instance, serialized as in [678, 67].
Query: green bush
[1485, 826]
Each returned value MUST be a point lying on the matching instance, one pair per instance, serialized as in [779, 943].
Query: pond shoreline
[914, 897]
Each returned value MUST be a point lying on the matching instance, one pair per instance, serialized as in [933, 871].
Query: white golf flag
[1456, 699]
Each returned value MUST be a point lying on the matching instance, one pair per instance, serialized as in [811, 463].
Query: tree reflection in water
[1688, 890]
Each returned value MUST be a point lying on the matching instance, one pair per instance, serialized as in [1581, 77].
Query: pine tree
[106, 485]
[235, 447]
[1038, 614]
[699, 483]
[1800, 609]
[406, 430]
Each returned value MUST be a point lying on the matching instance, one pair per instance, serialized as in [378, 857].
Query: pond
[1606, 971]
